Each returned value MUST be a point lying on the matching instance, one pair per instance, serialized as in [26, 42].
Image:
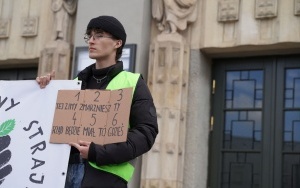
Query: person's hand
[83, 147]
[43, 81]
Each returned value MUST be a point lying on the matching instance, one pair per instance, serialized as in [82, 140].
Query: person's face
[102, 45]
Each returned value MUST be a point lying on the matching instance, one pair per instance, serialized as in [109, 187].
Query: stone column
[57, 53]
[168, 82]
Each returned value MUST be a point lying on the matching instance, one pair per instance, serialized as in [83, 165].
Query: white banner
[27, 159]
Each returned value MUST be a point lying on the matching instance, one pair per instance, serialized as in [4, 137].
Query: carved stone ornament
[265, 9]
[174, 15]
[63, 12]
[297, 7]
[228, 10]
[4, 28]
[30, 26]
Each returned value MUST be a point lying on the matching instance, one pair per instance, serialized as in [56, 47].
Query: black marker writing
[12, 103]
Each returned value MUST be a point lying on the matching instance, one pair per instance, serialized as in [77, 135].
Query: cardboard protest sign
[99, 116]
[118, 119]
[27, 159]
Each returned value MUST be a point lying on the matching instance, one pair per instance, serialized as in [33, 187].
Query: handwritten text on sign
[99, 116]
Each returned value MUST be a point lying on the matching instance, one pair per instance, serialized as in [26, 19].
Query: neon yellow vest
[123, 80]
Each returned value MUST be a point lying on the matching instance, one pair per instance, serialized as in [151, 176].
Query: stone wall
[24, 30]
[235, 26]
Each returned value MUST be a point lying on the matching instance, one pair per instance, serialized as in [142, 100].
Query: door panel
[288, 152]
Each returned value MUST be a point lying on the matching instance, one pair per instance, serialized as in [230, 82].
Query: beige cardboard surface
[99, 116]
[117, 120]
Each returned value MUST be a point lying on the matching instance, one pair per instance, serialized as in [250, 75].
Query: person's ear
[119, 43]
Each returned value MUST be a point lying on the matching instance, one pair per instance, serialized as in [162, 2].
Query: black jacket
[141, 135]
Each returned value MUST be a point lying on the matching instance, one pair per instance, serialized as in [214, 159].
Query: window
[18, 74]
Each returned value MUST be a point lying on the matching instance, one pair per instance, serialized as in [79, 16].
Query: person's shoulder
[131, 73]
[82, 75]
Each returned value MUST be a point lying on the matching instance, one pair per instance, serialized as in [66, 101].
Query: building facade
[224, 75]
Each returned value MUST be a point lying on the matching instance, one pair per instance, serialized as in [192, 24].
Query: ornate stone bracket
[228, 10]
[265, 9]
[30, 26]
[56, 56]
[297, 7]
[4, 28]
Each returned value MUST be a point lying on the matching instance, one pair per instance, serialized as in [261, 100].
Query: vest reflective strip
[124, 170]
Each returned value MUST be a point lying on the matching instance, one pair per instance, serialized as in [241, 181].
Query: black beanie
[110, 25]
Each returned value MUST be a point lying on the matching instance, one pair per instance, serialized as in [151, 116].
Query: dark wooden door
[255, 141]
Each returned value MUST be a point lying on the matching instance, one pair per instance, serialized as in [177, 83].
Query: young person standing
[111, 165]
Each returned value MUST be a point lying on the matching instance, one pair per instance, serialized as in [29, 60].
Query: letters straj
[100, 116]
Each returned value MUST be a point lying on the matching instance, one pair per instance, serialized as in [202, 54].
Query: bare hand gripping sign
[99, 116]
